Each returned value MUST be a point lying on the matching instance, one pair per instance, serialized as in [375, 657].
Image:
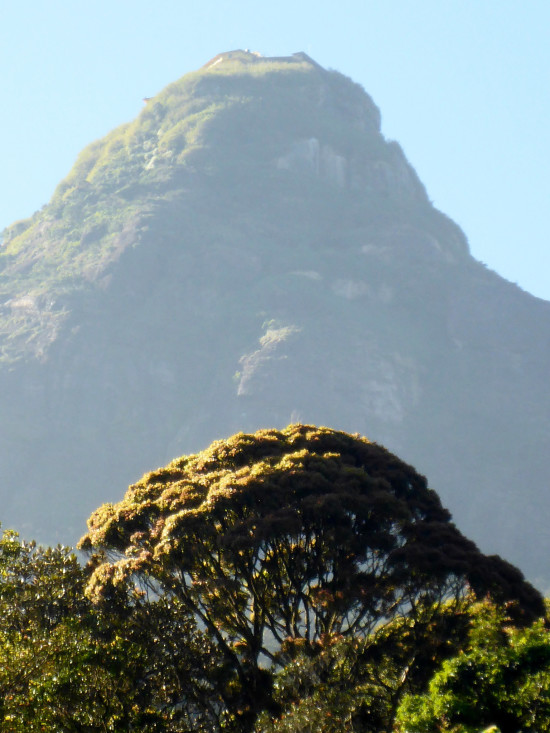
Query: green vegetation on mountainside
[228, 122]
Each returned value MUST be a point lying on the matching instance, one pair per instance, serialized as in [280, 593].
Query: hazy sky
[463, 85]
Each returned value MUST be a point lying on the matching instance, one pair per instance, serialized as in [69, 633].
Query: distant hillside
[248, 252]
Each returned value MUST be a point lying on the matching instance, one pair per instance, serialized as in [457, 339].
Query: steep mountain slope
[251, 251]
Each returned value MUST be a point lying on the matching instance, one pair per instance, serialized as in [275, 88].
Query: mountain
[249, 252]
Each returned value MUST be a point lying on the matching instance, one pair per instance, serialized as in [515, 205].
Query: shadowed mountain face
[250, 252]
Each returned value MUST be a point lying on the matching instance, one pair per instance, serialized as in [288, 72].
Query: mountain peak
[255, 57]
[241, 117]
[251, 251]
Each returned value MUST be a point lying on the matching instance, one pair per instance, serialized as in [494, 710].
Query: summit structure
[250, 252]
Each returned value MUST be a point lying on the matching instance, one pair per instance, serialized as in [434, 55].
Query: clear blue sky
[463, 85]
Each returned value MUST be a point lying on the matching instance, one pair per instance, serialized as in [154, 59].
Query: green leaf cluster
[500, 678]
[66, 665]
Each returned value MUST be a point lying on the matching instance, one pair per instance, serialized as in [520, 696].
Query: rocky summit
[250, 252]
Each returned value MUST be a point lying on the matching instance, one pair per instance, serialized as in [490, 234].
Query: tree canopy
[285, 541]
[501, 678]
[67, 665]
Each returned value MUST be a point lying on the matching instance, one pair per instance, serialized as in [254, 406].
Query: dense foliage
[501, 677]
[280, 542]
[66, 665]
[292, 580]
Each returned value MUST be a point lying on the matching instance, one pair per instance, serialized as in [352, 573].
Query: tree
[284, 540]
[356, 684]
[68, 665]
[54, 672]
[501, 679]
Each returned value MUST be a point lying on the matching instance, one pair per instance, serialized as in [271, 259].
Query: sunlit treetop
[322, 530]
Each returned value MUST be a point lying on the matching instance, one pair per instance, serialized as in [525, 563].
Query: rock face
[250, 252]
